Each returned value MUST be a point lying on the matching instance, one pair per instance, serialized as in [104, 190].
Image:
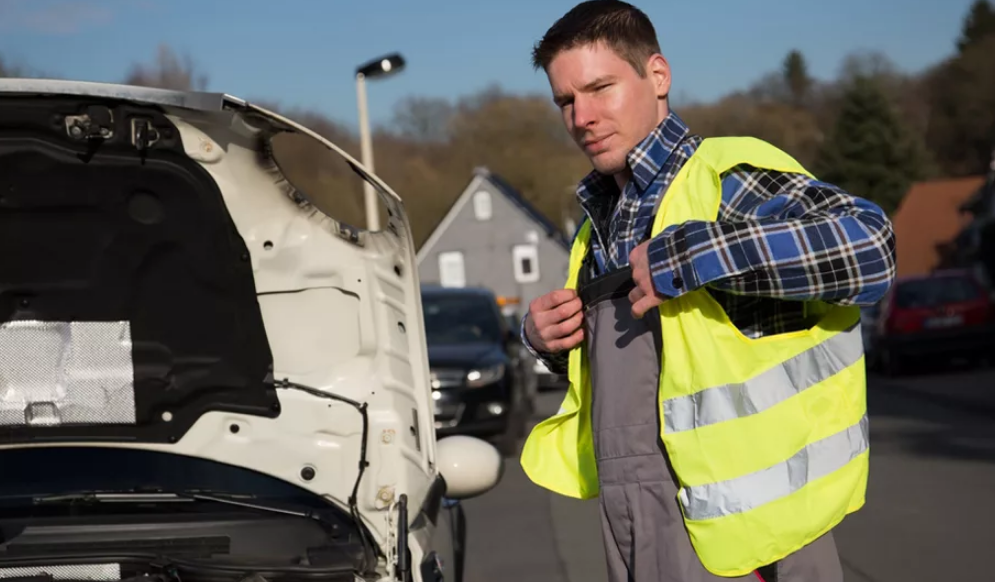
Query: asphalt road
[930, 513]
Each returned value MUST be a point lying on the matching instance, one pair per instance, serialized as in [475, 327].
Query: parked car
[204, 374]
[548, 379]
[942, 315]
[479, 380]
[530, 376]
[868, 322]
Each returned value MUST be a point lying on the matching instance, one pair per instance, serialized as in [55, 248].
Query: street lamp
[377, 68]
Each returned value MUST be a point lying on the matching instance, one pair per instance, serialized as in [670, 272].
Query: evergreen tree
[795, 71]
[978, 25]
[870, 151]
[962, 110]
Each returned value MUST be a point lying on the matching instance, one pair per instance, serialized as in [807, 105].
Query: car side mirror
[470, 466]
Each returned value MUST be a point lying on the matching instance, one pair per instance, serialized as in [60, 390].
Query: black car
[476, 364]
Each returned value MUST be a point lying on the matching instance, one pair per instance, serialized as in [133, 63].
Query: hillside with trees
[872, 129]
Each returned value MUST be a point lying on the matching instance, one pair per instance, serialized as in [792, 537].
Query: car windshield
[935, 291]
[460, 318]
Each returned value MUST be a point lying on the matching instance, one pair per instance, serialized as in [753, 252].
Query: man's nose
[583, 112]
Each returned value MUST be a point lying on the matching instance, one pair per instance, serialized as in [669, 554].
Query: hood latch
[96, 122]
[94, 126]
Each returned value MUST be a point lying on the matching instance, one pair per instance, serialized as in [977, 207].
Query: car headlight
[483, 376]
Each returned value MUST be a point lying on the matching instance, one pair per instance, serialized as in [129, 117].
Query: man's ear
[658, 69]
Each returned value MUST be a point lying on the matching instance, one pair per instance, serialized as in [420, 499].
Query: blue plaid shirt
[778, 236]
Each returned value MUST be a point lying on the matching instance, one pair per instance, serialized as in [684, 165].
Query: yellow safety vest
[768, 436]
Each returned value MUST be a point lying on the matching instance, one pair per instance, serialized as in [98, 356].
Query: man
[708, 327]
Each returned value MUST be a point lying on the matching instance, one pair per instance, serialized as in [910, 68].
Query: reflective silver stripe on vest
[731, 401]
[744, 493]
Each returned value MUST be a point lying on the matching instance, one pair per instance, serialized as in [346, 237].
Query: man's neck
[622, 178]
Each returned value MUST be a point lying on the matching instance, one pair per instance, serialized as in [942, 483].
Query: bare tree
[423, 119]
[169, 71]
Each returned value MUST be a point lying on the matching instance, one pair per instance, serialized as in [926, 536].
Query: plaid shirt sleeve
[783, 236]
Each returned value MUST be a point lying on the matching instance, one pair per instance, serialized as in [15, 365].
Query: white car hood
[333, 307]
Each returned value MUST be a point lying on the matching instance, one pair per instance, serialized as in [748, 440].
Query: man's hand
[555, 321]
[644, 297]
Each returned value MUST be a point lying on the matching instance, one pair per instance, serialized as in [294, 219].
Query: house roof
[929, 217]
[516, 198]
[502, 186]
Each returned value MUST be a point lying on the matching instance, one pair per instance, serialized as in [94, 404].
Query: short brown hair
[620, 25]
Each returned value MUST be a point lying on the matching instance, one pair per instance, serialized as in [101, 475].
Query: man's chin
[606, 165]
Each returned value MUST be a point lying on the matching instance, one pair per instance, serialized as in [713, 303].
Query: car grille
[448, 415]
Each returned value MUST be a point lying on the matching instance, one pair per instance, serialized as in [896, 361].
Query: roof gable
[500, 186]
[928, 218]
[516, 198]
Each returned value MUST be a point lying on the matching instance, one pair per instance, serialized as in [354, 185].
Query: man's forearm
[842, 251]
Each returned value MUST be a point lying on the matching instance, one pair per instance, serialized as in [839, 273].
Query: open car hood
[161, 279]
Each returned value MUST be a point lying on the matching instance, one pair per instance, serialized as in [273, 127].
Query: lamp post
[377, 68]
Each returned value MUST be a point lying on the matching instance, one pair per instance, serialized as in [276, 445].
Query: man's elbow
[878, 264]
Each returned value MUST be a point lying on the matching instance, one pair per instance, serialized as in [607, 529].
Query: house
[492, 237]
[929, 221]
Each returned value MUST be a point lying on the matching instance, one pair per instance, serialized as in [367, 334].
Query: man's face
[607, 107]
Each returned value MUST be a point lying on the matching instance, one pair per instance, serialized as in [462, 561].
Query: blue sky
[303, 52]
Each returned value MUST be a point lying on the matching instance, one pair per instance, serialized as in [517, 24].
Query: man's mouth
[596, 144]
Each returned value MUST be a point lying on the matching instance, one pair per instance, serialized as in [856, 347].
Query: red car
[945, 314]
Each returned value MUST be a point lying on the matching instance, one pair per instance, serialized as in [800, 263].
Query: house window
[451, 271]
[482, 205]
[526, 263]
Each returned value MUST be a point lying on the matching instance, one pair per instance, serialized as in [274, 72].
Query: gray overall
[644, 535]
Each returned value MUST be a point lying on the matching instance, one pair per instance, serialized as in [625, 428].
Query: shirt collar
[644, 160]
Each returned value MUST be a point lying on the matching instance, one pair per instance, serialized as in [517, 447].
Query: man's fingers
[559, 314]
[554, 299]
[553, 318]
[569, 309]
[570, 342]
[640, 307]
[564, 328]
[636, 294]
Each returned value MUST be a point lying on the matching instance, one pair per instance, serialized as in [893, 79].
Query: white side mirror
[469, 465]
